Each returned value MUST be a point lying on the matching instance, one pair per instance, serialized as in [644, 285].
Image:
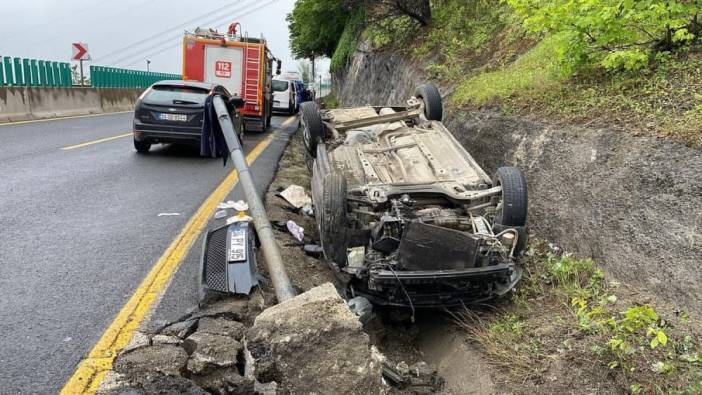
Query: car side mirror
[280, 65]
[237, 102]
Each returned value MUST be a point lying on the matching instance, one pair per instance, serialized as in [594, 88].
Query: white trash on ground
[239, 205]
[296, 196]
[296, 230]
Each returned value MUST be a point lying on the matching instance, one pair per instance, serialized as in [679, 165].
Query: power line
[162, 49]
[176, 44]
[120, 51]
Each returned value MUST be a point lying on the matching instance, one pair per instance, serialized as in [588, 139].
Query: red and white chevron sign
[80, 51]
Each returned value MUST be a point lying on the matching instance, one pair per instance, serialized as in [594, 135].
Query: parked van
[284, 96]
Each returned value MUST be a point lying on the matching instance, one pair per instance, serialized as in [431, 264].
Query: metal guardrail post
[49, 74]
[19, 79]
[271, 252]
[41, 73]
[9, 78]
[34, 72]
[55, 71]
[27, 72]
[65, 75]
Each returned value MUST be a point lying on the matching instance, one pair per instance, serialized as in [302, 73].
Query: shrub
[618, 34]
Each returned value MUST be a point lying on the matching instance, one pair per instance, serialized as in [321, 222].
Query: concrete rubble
[312, 343]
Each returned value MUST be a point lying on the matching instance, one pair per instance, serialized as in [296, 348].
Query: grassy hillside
[484, 51]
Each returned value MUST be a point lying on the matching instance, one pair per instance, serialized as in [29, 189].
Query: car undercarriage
[406, 216]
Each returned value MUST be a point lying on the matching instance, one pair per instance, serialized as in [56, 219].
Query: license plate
[173, 117]
[237, 245]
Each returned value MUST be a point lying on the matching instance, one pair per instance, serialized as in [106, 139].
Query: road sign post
[80, 53]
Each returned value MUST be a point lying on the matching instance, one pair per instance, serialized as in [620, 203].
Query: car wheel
[333, 221]
[513, 211]
[312, 127]
[433, 106]
[142, 146]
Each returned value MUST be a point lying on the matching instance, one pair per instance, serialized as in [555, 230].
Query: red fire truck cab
[241, 64]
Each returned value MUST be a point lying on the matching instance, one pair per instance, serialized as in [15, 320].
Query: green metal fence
[111, 77]
[30, 72]
[45, 73]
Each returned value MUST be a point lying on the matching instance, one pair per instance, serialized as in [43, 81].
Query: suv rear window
[174, 95]
[280, 86]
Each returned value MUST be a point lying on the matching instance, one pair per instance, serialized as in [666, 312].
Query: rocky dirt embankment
[634, 203]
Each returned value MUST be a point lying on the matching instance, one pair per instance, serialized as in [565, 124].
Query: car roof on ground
[192, 84]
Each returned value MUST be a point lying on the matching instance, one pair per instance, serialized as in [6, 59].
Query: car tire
[514, 197]
[433, 106]
[312, 127]
[333, 221]
[142, 146]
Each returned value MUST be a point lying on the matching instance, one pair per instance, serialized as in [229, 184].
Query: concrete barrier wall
[27, 103]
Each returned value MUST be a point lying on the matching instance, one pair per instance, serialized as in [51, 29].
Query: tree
[417, 10]
[304, 66]
[315, 27]
[618, 33]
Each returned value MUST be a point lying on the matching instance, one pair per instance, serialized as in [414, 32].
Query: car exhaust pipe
[274, 260]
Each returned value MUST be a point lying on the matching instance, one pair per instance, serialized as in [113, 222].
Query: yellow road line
[61, 118]
[289, 121]
[92, 370]
[70, 147]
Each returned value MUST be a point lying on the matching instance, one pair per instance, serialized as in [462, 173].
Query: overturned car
[406, 216]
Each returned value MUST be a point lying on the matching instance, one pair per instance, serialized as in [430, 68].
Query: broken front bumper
[440, 288]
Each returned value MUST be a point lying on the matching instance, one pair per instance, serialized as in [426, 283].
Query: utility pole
[148, 62]
[314, 76]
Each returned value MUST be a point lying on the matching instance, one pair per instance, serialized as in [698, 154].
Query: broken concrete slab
[155, 384]
[165, 339]
[313, 343]
[137, 340]
[230, 308]
[225, 381]
[221, 326]
[163, 358]
[209, 352]
[182, 329]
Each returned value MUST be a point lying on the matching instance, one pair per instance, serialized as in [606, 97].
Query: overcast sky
[124, 33]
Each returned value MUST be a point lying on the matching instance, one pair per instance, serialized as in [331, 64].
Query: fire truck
[242, 64]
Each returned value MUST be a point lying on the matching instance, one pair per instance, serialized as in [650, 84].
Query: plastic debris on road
[239, 205]
[168, 214]
[362, 307]
[241, 217]
[297, 231]
[221, 214]
[313, 250]
[307, 210]
[296, 196]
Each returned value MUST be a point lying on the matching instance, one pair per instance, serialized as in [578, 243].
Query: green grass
[565, 311]
[535, 71]
[331, 101]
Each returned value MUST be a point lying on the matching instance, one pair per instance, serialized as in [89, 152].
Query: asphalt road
[80, 228]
